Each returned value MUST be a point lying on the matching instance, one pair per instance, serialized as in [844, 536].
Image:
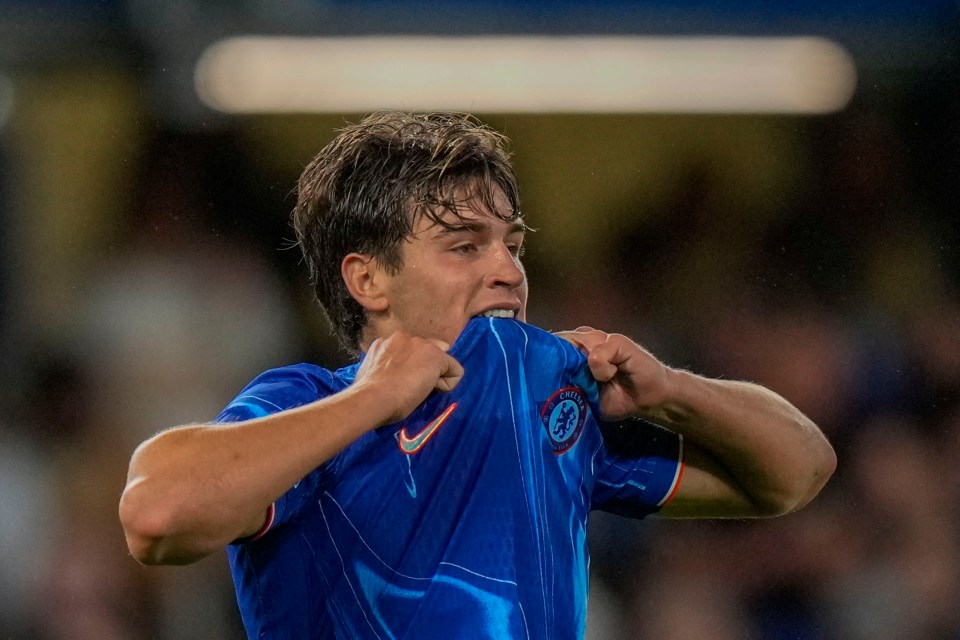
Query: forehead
[470, 206]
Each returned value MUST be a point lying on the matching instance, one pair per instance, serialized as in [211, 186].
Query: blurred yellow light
[254, 74]
[6, 99]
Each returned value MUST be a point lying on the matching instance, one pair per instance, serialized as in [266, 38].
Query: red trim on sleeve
[268, 522]
[676, 486]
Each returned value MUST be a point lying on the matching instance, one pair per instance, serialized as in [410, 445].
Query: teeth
[498, 313]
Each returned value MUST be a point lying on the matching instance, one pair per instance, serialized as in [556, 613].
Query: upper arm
[707, 490]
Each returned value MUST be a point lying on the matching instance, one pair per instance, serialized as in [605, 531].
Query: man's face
[450, 275]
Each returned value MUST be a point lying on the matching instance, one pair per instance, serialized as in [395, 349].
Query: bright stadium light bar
[495, 74]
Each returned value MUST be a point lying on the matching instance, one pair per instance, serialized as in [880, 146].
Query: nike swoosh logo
[410, 445]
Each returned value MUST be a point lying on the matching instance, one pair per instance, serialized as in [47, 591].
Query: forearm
[191, 490]
[773, 453]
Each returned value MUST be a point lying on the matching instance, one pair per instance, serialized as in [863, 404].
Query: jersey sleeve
[271, 392]
[639, 468]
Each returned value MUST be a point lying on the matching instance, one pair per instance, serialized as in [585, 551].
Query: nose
[506, 270]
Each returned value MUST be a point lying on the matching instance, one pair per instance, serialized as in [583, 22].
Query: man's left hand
[632, 381]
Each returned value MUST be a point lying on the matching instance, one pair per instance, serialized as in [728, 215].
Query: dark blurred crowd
[846, 300]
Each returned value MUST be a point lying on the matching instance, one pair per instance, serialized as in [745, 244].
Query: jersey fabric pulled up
[468, 519]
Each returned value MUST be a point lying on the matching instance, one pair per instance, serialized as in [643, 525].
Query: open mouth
[498, 313]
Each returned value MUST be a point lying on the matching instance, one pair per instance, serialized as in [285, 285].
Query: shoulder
[283, 388]
[303, 375]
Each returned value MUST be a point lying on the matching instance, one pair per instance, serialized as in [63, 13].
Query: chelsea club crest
[563, 416]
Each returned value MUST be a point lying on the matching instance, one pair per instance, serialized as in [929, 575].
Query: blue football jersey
[465, 520]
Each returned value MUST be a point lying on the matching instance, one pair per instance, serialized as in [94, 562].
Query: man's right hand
[405, 369]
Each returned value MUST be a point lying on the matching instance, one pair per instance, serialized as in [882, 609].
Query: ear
[365, 280]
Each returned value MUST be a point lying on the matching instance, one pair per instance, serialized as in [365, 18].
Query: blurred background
[806, 237]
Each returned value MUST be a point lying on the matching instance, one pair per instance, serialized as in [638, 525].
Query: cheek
[442, 297]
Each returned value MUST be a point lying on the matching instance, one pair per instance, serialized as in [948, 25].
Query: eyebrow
[517, 226]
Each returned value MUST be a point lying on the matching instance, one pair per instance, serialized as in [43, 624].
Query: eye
[465, 248]
[517, 250]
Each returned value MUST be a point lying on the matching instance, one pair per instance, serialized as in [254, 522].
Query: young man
[439, 487]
